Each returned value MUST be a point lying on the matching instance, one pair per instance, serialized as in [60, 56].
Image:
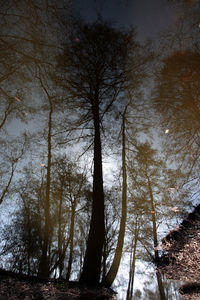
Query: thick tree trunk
[92, 262]
[112, 273]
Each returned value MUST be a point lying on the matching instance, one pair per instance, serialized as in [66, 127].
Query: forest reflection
[149, 284]
[83, 94]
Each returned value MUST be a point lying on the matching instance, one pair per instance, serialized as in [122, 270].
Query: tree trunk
[92, 261]
[112, 273]
[44, 261]
[104, 269]
[60, 244]
[71, 241]
[160, 286]
[155, 239]
[129, 294]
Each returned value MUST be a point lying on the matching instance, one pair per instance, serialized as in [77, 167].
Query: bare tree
[95, 86]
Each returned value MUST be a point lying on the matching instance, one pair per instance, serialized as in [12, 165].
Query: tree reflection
[149, 180]
[85, 84]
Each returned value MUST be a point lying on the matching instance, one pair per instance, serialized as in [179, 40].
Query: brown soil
[16, 287]
[181, 259]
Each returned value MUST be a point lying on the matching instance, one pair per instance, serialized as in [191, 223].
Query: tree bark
[112, 273]
[155, 239]
[92, 261]
[60, 244]
[44, 261]
[160, 286]
[129, 294]
[71, 240]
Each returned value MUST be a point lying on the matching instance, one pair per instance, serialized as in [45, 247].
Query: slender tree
[129, 294]
[111, 275]
[149, 180]
[29, 39]
[44, 264]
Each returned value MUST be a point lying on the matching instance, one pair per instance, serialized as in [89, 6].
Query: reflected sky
[145, 283]
[149, 17]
